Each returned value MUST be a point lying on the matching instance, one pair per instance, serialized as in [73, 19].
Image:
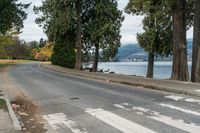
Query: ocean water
[162, 70]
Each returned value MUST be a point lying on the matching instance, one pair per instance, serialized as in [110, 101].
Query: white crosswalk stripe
[176, 98]
[122, 124]
[180, 98]
[180, 124]
[197, 90]
[180, 109]
[59, 119]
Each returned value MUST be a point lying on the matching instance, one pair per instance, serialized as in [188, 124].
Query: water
[162, 70]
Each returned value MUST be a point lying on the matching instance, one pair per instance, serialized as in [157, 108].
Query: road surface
[76, 105]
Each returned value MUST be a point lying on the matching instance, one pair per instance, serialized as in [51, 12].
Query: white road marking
[126, 104]
[180, 109]
[192, 128]
[59, 119]
[122, 124]
[120, 106]
[197, 90]
[192, 100]
[178, 98]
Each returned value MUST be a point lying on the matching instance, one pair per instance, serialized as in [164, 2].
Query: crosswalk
[116, 120]
[197, 90]
[124, 125]
[59, 120]
[192, 128]
[181, 98]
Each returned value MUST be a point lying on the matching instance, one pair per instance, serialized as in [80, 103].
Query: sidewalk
[6, 125]
[188, 88]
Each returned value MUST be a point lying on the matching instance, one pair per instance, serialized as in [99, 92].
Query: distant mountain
[130, 52]
[133, 52]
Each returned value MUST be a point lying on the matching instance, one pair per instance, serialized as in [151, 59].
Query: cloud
[130, 27]
[31, 30]
[128, 39]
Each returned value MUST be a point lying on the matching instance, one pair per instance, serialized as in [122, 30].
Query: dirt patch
[28, 114]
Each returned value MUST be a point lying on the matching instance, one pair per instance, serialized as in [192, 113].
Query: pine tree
[195, 75]
[180, 66]
[64, 23]
[104, 28]
[157, 38]
[12, 15]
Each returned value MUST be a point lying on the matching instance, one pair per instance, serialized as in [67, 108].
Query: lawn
[4, 63]
[2, 103]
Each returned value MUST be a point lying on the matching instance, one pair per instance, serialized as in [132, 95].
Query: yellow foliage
[45, 53]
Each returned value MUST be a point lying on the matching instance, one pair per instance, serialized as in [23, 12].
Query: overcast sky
[130, 27]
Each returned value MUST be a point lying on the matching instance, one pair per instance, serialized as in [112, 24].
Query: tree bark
[150, 65]
[180, 66]
[96, 57]
[78, 43]
[195, 75]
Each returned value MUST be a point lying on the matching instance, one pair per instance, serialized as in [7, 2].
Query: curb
[14, 118]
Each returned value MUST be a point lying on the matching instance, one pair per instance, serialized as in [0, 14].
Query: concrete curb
[14, 118]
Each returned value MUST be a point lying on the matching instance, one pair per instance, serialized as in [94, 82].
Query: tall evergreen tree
[157, 38]
[180, 66]
[104, 27]
[64, 22]
[12, 15]
[195, 75]
[78, 34]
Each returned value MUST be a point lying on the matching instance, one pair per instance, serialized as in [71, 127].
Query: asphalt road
[76, 105]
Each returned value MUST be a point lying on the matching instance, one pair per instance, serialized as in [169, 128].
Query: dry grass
[13, 61]
[29, 115]
[4, 63]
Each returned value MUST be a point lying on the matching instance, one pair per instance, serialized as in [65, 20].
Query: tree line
[165, 24]
[78, 28]
[19, 49]
[12, 15]
[97, 24]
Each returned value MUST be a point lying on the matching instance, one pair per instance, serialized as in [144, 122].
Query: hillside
[133, 52]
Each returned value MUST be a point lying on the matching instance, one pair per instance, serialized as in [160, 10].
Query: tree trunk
[180, 66]
[150, 65]
[195, 75]
[96, 57]
[78, 43]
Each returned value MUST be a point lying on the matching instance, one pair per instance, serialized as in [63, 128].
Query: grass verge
[4, 63]
[2, 104]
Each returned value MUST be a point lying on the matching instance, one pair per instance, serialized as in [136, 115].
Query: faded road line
[122, 124]
[180, 109]
[59, 119]
[186, 99]
[192, 128]
[197, 90]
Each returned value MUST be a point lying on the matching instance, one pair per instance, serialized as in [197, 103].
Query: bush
[43, 54]
[64, 55]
